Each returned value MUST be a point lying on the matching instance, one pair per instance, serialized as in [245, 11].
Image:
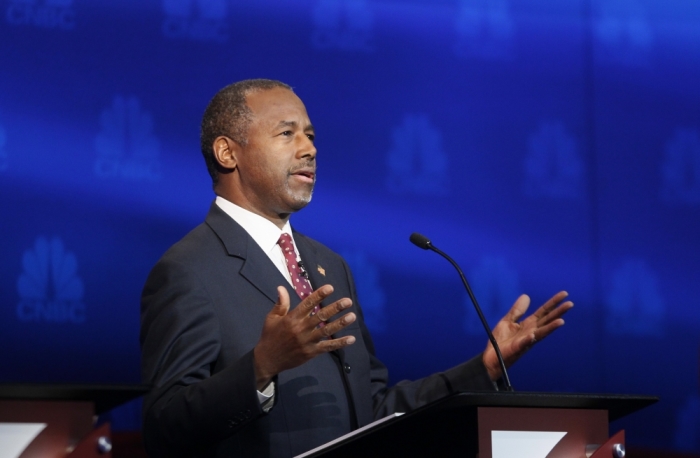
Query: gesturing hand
[289, 339]
[515, 338]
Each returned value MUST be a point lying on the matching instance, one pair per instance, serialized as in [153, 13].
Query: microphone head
[420, 241]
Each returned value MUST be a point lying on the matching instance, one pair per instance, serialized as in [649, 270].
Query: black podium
[68, 411]
[461, 425]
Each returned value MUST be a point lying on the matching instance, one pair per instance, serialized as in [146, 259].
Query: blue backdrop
[547, 145]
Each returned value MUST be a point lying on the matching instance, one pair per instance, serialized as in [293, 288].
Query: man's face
[277, 167]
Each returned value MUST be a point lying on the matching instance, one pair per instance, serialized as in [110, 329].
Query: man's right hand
[291, 338]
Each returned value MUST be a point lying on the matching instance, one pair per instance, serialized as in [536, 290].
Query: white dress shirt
[265, 233]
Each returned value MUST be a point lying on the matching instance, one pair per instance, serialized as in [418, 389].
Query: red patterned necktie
[299, 278]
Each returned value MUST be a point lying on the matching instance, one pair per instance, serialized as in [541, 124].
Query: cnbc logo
[342, 24]
[417, 162]
[49, 287]
[52, 14]
[126, 146]
[198, 20]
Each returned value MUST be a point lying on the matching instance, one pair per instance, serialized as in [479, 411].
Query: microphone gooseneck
[423, 242]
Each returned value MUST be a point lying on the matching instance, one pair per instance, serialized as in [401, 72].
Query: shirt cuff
[267, 396]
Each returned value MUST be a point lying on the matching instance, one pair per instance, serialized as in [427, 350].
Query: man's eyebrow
[287, 124]
[294, 124]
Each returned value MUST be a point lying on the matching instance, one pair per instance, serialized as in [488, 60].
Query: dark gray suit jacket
[202, 311]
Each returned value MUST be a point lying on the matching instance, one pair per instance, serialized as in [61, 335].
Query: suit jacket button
[347, 368]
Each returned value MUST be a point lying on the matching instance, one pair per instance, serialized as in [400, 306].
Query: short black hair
[229, 115]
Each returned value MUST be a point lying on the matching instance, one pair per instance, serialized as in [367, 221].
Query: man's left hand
[515, 338]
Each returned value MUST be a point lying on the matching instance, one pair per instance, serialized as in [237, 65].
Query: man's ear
[226, 152]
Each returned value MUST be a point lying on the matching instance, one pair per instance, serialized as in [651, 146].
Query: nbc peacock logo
[417, 162]
[49, 287]
[553, 167]
[126, 147]
[623, 32]
[635, 305]
[496, 288]
[197, 20]
[680, 171]
[4, 157]
[485, 29]
[342, 24]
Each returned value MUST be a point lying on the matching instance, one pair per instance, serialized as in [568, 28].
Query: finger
[336, 325]
[325, 346]
[551, 304]
[552, 315]
[281, 307]
[518, 309]
[544, 331]
[559, 311]
[307, 305]
[329, 311]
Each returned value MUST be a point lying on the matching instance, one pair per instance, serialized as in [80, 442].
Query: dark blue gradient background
[546, 145]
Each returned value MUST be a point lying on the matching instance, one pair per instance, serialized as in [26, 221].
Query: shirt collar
[263, 231]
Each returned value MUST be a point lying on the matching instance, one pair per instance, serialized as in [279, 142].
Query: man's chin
[300, 201]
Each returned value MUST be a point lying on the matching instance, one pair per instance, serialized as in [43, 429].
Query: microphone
[422, 241]
[302, 270]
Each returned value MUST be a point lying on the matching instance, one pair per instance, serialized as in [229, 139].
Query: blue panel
[546, 145]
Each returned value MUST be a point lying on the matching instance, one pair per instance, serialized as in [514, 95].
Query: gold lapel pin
[322, 271]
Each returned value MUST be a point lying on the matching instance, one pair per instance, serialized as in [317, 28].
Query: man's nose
[307, 149]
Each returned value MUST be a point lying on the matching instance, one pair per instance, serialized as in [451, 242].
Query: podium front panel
[67, 423]
[582, 427]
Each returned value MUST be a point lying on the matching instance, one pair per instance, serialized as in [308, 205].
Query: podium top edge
[104, 397]
[456, 415]
[617, 405]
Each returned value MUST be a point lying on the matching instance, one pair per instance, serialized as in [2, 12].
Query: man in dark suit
[242, 359]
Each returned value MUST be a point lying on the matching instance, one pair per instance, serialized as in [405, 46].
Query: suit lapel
[257, 267]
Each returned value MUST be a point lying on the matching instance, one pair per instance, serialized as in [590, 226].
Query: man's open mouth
[309, 175]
